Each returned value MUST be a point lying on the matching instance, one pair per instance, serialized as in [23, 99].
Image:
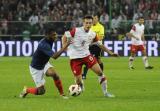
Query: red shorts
[76, 64]
[136, 48]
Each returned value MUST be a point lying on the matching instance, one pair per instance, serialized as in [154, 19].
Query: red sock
[58, 84]
[32, 90]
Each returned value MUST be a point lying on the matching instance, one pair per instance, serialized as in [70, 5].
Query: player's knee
[53, 75]
[41, 91]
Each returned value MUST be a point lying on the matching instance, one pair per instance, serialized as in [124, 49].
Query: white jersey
[81, 41]
[137, 30]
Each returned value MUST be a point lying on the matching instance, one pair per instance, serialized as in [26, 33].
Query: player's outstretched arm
[64, 40]
[64, 47]
[105, 49]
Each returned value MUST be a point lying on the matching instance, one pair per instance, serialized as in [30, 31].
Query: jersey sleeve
[71, 33]
[46, 49]
[96, 38]
[133, 29]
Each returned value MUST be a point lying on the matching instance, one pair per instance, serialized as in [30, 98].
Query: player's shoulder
[100, 25]
[143, 25]
[42, 43]
[135, 25]
[138, 25]
[92, 32]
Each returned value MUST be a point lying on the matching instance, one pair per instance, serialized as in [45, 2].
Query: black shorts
[95, 50]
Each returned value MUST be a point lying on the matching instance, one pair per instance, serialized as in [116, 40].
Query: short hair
[49, 28]
[88, 17]
[140, 17]
[96, 14]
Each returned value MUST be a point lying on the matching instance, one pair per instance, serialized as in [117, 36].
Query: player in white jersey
[80, 55]
[138, 43]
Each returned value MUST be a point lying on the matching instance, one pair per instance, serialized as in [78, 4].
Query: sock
[103, 83]
[32, 91]
[58, 84]
[82, 85]
[145, 61]
[101, 65]
[85, 70]
[131, 59]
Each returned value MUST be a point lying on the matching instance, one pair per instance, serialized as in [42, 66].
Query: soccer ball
[74, 90]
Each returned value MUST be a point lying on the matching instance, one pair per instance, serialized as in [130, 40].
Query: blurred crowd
[19, 16]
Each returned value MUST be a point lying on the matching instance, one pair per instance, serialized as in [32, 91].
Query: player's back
[42, 54]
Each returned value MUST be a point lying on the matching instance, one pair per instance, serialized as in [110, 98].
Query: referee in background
[94, 48]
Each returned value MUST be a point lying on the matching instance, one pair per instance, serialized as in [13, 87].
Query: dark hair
[96, 14]
[49, 28]
[140, 17]
[88, 17]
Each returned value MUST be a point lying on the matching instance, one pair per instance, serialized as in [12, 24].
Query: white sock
[145, 61]
[103, 82]
[131, 59]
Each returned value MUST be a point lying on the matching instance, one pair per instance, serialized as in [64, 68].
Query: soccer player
[94, 49]
[138, 43]
[80, 55]
[40, 65]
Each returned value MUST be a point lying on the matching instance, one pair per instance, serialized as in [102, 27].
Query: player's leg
[102, 79]
[38, 77]
[79, 81]
[100, 63]
[145, 59]
[57, 81]
[76, 66]
[132, 56]
[94, 66]
[85, 70]
[96, 52]
[32, 90]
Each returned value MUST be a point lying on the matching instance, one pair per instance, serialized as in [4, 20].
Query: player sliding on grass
[40, 65]
[138, 43]
[80, 55]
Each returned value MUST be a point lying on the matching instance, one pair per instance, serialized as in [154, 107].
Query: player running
[40, 65]
[94, 49]
[80, 55]
[138, 43]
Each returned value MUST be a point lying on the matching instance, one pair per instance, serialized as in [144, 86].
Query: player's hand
[115, 55]
[69, 41]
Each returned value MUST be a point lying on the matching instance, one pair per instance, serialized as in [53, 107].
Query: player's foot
[109, 95]
[64, 96]
[83, 77]
[131, 68]
[149, 67]
[82, 88]
[24, 93]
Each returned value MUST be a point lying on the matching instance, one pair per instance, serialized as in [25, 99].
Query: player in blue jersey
[40, 65]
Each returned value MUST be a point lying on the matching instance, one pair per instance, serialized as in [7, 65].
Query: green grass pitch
[135, 90]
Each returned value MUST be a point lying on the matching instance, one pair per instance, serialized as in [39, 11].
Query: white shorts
[38, 75]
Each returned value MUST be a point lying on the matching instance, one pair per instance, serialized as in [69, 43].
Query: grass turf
[135, 90]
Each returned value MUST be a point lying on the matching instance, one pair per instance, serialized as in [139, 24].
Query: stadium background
[135, 90]
[25, 19]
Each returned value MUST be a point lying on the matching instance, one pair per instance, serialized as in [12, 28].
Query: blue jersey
[42, 54]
